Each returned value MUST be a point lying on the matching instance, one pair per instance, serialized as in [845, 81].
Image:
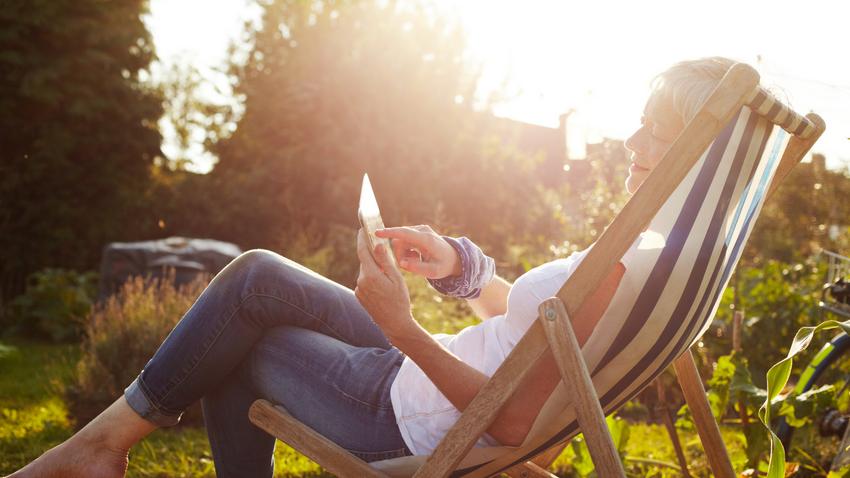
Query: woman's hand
[420, 250]
[382, 291]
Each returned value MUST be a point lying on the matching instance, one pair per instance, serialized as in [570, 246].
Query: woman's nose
[634, 143]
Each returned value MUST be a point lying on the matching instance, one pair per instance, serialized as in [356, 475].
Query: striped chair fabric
[675, 274]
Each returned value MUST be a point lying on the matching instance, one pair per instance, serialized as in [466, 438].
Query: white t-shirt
[423, 413]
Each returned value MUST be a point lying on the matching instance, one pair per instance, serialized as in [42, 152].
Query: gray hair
[688, 84]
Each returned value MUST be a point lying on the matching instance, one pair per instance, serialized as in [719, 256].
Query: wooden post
[709, 433]
[737, 320]
[667, 418]
[591, 419]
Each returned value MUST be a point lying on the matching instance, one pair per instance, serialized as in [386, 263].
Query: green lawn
[35, 417]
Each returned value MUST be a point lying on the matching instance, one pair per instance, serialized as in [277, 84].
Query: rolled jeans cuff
[139, 401]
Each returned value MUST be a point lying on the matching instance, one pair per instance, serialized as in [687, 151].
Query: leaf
[582, 463]
[798, 410]
[777, 378]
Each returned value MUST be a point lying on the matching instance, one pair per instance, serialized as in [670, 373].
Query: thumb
[382, 257]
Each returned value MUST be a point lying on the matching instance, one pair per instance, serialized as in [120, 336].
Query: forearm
[493, 299]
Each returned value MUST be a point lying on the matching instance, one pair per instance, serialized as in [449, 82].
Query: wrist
[475, 270]
[406, 337]
[457, 266]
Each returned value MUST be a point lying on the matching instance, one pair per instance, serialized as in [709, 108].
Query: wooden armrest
[332, 457]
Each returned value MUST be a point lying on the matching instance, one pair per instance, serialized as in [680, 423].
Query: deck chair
[679, 236]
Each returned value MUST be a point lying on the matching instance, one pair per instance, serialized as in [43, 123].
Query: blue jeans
[267, 327]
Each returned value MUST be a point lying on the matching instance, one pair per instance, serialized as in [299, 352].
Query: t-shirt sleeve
[531, 289]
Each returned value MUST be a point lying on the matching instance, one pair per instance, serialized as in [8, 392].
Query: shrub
[777, 298]
[54, 304]
[7, 351]
[122, 334]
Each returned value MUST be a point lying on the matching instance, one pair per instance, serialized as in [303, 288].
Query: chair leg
[591, 419]
[667, 417]
[709, 432]
[326, 453]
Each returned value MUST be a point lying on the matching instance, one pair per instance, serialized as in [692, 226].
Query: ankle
[117, 428]
[101, 440]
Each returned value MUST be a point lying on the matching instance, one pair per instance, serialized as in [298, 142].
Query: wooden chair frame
[554, 331]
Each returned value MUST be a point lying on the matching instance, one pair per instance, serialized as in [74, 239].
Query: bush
[777, 299]
[122, 334]
[54, 304]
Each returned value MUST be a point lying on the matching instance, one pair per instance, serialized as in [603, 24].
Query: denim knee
[255, 258]
[261, 267]
[254, 267]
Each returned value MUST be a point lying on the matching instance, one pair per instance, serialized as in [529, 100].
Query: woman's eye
[658, 136]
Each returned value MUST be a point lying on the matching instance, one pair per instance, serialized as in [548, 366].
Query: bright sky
[597, 56]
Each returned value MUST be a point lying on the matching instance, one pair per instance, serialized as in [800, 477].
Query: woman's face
[660, 125]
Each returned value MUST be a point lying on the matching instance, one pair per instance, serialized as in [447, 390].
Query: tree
[795, 223]
[335, 89]
[78, 132]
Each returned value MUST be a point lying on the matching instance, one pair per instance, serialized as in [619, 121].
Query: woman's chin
[632, 184]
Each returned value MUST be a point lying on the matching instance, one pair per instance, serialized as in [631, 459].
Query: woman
[354, 365]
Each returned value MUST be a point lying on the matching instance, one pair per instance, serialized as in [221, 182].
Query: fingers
[416, 238]
[382, 257]
[400, 249]
[367, 262]
[379, 265]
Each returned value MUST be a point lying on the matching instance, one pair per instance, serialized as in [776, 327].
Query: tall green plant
[731, 387]
[777, 378]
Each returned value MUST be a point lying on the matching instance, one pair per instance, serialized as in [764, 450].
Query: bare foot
[77, 458]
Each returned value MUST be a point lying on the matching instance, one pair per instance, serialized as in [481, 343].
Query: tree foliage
[334, 89]
[797, 221]
[77, 129]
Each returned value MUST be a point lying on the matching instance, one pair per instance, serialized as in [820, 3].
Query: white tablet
[370, 218]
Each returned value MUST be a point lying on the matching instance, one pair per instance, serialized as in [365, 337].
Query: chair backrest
[677, 269]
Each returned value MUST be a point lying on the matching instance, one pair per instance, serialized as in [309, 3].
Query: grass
[34, 417]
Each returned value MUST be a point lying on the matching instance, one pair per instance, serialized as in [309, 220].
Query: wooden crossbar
[333, 458]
